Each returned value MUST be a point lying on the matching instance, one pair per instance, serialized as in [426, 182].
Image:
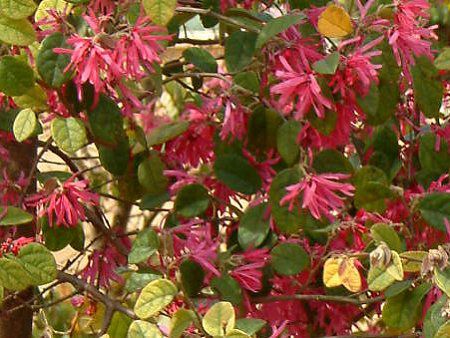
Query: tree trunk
[18, 323]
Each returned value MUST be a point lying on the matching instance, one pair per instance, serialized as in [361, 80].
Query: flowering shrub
[288, 176]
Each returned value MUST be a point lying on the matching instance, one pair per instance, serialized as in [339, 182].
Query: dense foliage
[284, 171]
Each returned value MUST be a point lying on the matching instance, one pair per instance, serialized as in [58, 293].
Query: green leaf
[201, 58]
[262, 130]
[397, 288]
[324, 125]
[219, 319]
[19, 32]
[14, 216]
[239, 49]
[24, 125]
[17, 9]
[151, 175]
[428, 90]
[78, 238]
[39, 262]
[143, 329]
[16, 76]
[154, 298]
[192, 200]
[144, 246]
[383, 104]
[287, 141]
[382, 232]
[13, 275]
[395, 268]
[434, 319]
[166, 132]
[442, 61]
[443, 331]
[235, 333]
[254, 227]
[328, 65]
[286, 221]
[138, 280]
[332, 161]
[386, 151]
[435, 208]
[35, 98]
[180, 321]
[42, 12]
[250, 325]
[106, 122]
[371, 196]
[367, 174]
[235, 172]
[69, 133]
[433, 163]
[277, 26]
[115, 159]
[442, 279]
[378, 279]
[192, 276]
[56, 238]
[289, 259]
[229, 288]
[50, 65]
[412, 260]
[120, 324]
[370, 103]
[248, 80]
[403, 311]
[151, 201]
[160, 11]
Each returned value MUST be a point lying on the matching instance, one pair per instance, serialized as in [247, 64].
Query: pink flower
[320, 194]
[408, 37]
[299, 84]
[141, 47]
[91, 61]
[104, 262]
[10, 190]
[356, 72]
[14, 245]
[249, 276]
[102, 267]
[66, 201]
[197, 245]
[196, 145]
[234, 122]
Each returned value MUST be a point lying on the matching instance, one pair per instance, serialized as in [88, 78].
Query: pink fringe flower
[141, 47]
[320, 194]
[408, 37]
[299, 84]
[66, 202]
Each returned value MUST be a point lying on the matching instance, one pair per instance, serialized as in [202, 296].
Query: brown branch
[83, 286]
[218, 16]
[323, 298]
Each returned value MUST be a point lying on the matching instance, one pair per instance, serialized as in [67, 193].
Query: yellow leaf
[331, 276]
[220, 319]
[349, 275]
[334, 22]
